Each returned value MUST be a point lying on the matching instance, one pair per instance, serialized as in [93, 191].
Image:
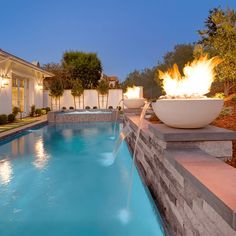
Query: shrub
[63, 108]
[47, 109]
[43, 111]
[219, 95]
[95, 107]
[15, 110]
[11, 117]
[3, 119]
[32, 111]
[87, 107]
[110, 107]
[71, 108]
[226, 111]
[38, 112]
[234, 99]
[118, 107]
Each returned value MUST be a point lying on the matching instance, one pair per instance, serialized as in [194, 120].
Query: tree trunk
[102, 100]
[83, 100]
[79, 101]
[226, 89]
[59, 103]
[98, 101]
[56, 103]
[107, 99]
[51, 104]
[74, 102]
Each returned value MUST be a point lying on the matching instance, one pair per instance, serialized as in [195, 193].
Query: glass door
[18, 93]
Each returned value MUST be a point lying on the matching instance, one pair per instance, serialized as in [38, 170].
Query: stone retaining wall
[195, 191]
[91, 116]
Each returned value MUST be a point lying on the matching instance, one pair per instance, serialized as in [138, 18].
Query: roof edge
[24, 62]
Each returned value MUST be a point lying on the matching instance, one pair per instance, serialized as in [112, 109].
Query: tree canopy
[103, 87]
[76, 90]
[59, 74]
[181, 54]
[149, 77]
[86, 67]
[219, 39]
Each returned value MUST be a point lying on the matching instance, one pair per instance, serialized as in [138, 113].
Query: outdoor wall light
[4, 81]
[40, 86]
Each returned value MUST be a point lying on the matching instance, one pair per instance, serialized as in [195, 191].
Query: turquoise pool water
[54, 181]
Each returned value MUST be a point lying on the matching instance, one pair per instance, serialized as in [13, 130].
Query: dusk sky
[126, 34]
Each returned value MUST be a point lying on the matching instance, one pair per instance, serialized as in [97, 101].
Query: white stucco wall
[6, 99]
[38, 96]
[31, 93]
[114, 97]
[90, 99]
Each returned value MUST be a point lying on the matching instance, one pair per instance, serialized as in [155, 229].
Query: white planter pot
[188, 113]
[134, 102]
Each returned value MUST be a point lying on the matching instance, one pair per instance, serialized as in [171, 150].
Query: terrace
[84, 153]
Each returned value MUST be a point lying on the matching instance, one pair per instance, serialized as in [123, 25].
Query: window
[18, 93]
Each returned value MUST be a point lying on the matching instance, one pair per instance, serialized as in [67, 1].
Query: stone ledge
[209, 133]
[212, 193]
[214, 179]
[92, 115]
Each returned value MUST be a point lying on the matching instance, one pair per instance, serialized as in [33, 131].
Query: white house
[21, 84]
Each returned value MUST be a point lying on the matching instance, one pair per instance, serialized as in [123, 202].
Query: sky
[127, 35]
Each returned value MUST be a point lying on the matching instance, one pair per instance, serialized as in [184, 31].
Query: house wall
[33, 93]
[38, 96]
[5, 99]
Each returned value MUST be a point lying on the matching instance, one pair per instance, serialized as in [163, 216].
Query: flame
[197, 79]
[132, 92]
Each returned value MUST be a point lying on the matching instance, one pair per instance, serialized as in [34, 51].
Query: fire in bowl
[185, 104]
[134, 102]
[187, 113]
[132, 98]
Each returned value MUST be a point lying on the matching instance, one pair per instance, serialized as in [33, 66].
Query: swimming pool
[54, 181]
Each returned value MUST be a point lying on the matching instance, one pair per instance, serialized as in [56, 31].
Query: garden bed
[228, 120]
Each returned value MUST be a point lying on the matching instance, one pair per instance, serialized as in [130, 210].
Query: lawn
[18, 123]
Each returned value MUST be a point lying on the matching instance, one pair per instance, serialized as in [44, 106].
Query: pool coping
[6, 134]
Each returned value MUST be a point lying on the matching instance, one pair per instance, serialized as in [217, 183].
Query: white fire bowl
[134, 102]
[188, 113]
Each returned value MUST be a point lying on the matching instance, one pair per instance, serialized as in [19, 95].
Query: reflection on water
[18, 146]
[41, 156]
[5, 171]
[67, 133]
[90, 131]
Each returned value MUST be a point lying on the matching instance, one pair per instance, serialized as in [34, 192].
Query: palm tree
[56, 89]
[103, 89]
[77, 90]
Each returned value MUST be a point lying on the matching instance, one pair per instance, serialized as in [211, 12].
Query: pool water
[54, 181]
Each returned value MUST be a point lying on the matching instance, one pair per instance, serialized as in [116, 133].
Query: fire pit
[187, 113]
[132, 98]
[185, 105]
